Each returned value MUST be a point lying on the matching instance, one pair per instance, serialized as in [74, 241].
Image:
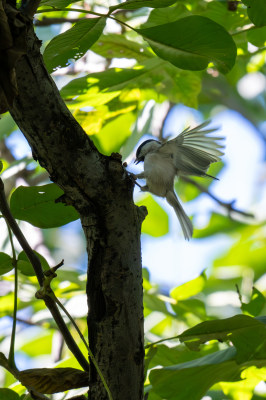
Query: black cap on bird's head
[140, 153]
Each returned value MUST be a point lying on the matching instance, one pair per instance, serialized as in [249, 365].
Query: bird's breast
[159, 173]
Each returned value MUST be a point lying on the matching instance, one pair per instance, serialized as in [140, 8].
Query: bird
[189, 153]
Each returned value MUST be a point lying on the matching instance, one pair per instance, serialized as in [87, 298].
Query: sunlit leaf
[192, 43]
[245, 253]
[156, 222]
[256, 11]
[114, 134]
[5, 263]
[189, 289]
[42, 344]
[73, 43]
[7, 125]
[37, 206]
[255, 305]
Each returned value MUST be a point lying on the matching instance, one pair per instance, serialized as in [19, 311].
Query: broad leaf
[218, 224]
[8, 394]
[155, 78]
[5, 263]
[73, 43]
[246, 333]
[114, 134]
[255, 305]
[57, 3]
[189, 289]
[116, 46]
[192, 43]
[37, 206]
[191, 380]
[1, 166]
[256, 11]
[135, 4]
[7, 125]
[156, 222]
[257, 36]
[25, 266]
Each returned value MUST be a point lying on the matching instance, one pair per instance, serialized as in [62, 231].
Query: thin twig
[228, 205]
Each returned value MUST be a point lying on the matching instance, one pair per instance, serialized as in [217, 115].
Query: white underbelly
[159, 174]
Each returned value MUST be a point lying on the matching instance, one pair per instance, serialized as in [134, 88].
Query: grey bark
[99, 188]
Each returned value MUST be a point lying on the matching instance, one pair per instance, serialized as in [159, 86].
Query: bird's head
[146, 147]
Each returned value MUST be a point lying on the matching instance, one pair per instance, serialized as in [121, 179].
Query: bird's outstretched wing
[193, 151]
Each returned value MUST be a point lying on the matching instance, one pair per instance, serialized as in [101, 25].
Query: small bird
[190, 153]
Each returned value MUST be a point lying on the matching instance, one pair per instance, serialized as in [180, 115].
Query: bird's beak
[136, 161]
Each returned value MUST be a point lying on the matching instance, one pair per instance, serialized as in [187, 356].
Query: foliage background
[119, 92]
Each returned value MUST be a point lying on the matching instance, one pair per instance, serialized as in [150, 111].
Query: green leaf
[191, 380]
[57, 3]
[25, 266]
[110, 83]
[256, 11]
[114, 134]
[218, 224]
[8, 394]
[5, 263]
[185, 308]
[1, 166]
[135, 4]
[7, 125]
[192, 43]
[42, 344]
[37, 206]
[156, 222]
[255, 305]
[246, 333]
[117, 46]
[257, 36]
[73, 43]
[166, 15]
[189, 289]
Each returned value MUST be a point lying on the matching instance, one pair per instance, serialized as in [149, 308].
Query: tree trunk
[99, 188]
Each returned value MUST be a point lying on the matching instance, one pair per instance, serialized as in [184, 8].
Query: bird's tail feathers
[185, 222]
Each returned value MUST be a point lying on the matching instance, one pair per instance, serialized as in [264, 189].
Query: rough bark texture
[99, 188]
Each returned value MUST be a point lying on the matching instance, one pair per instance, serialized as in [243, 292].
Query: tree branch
[29, 7]
[229, 206]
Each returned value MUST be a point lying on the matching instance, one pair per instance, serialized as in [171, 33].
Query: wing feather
[193, 150]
